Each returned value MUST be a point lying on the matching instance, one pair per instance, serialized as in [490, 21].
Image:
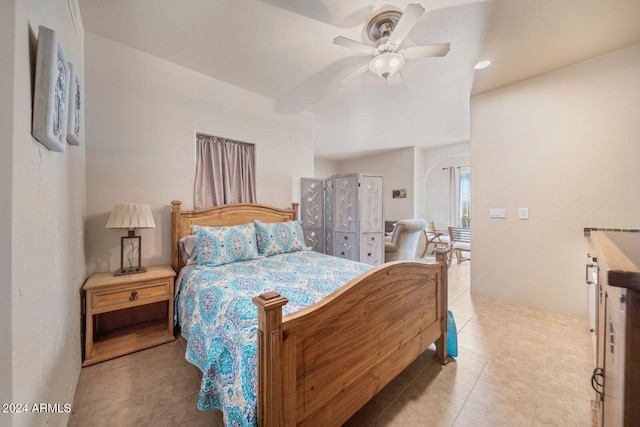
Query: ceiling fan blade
[406, 23]
[359, 71]
[352, 44]
[425, 51]
[395, 79]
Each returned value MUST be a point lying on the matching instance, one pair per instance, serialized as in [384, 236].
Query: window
[225, 172]
[464, 194]
[459, 209]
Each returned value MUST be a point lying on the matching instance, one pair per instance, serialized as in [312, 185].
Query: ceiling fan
[388, 30]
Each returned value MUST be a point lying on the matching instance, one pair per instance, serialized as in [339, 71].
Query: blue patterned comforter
[219, 320]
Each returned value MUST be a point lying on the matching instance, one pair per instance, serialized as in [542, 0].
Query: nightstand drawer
[132, 295]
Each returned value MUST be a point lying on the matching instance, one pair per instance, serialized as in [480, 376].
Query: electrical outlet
[497, 213]
[523, 213]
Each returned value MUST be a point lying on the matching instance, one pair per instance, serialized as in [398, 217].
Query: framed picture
[399, 194]
[74, 122]
[51, 98]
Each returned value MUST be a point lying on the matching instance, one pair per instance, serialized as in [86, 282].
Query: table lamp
[130, 216]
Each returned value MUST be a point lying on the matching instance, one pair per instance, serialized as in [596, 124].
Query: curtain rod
[461, 166]
[221, 138]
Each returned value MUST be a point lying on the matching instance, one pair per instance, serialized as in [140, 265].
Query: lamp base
[130, 270]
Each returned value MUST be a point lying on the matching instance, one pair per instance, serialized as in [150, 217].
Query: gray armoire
[343, 216]
[312, 212]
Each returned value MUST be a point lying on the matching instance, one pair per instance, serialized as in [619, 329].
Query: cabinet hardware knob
[134, 296]
[342, 253]
[369, 254]
[612, 337]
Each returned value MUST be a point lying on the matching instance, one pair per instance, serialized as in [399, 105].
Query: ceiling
[283, 50]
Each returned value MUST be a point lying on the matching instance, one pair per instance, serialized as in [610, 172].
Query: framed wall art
[74, 122]
[399, 194]
[51, 98]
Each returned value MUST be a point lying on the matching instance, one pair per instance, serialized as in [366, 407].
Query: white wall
[434, 203]
[418, 182]
[47, 242]
[565, 145]
[7, 30]
[324, 167]
[142, 116]
[397, 168]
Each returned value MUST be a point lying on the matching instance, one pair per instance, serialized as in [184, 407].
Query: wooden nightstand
[127, 313]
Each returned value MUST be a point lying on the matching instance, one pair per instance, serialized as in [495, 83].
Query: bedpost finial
[270, 300]
[175, 205]
[442, 255]
[294, 208]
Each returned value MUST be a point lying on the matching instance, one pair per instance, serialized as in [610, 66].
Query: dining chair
[435, 237]
[460, 242]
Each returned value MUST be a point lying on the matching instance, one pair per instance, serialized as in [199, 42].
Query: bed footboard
[318, 366]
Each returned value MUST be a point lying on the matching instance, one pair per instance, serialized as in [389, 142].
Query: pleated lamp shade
[131, 216]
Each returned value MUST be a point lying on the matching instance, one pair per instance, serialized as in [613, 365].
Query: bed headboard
[218, 216]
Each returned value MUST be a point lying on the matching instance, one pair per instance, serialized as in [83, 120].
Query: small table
[127, 313]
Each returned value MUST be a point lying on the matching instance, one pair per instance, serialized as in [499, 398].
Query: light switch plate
[497, 213]
[523, 213]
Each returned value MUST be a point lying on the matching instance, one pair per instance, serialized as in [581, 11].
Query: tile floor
[516, 366]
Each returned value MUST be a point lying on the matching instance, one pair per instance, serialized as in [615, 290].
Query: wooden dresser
[616, 379]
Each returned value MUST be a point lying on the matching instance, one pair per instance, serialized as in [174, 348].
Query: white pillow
[187, 247]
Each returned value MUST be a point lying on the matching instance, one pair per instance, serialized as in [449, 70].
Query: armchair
[404, 240]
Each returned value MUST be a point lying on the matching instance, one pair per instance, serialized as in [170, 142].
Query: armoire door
[345, 202]
[312, 212]
[371, 212]
[328, 216]
[345, 245]
[372, 248]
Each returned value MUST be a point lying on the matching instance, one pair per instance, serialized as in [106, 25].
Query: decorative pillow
[222, 245]
[279, 237]
[188, 249]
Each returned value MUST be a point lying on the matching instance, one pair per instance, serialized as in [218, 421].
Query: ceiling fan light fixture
[482, 64]
[386, 64]
[382, 24]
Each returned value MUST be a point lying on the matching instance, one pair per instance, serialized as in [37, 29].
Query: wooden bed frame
[319, 365]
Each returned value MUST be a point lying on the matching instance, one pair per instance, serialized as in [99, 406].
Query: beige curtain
[453, 207]
[225, 172]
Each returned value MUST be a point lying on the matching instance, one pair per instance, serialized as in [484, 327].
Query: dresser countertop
[619, 253]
